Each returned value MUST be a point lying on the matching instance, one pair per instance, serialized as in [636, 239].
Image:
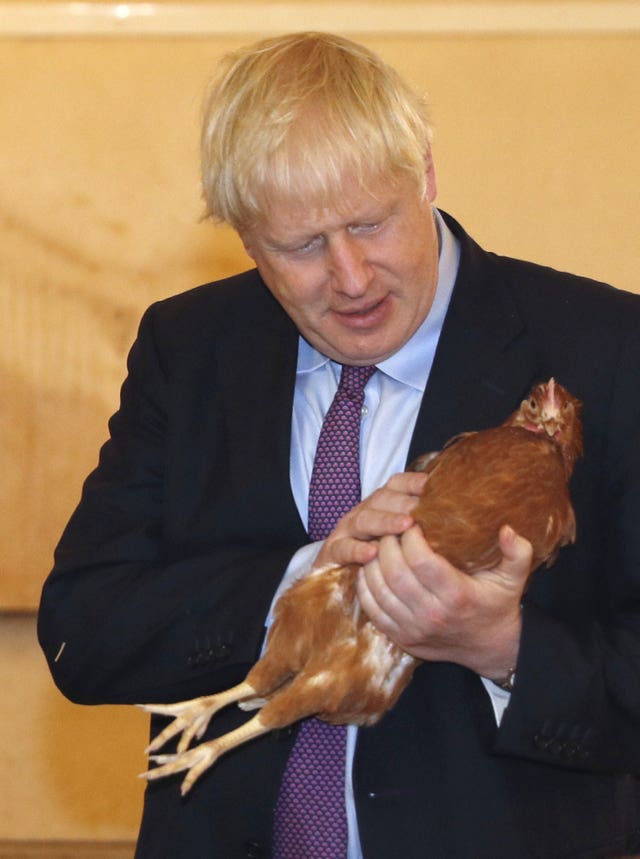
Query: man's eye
[308, 247]
[365, 228]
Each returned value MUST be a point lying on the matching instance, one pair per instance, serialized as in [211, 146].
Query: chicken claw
[195, 761]
[200, 758]
[193, 717]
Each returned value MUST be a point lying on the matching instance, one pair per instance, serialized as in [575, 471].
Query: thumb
[517, 554]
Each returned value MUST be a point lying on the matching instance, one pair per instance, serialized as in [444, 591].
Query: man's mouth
[371, 314]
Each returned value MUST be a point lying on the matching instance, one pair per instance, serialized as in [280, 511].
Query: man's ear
[432, 185]
[246, 242]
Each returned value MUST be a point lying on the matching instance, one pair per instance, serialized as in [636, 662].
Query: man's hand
[355, 538]
[438, 613]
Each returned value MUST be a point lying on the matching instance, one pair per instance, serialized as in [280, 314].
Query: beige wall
[537, 149]
[68, 772]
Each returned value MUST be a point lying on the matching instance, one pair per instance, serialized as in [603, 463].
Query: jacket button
[557, 747]
[571, 749]
[253, 850]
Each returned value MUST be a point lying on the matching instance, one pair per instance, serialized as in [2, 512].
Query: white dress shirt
[392, 400]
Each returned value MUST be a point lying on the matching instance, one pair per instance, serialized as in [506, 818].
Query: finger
[408, 482]
[399, 496]
[432, 571]
[383, 500]
[515, 549]
[345, 551]
[386, 511]
[398, 589]
[368, 521]
[378, 617]
[517, 554]
[387, 586]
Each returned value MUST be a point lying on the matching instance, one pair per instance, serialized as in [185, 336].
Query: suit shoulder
[226, 315]
[217, 309]
[534, 275]
[540, 288]
[222, 296]
[556, 297]
[573, 299]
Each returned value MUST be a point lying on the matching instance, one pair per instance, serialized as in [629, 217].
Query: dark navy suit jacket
[166, 570]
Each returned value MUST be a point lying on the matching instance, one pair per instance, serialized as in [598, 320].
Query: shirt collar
[411, 364]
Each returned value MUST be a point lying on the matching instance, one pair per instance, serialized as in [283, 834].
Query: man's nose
[350, 270]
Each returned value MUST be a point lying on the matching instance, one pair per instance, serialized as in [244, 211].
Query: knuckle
[457, 599]
[434, 617]
[396, 480]
[357, 515]
[377, 497]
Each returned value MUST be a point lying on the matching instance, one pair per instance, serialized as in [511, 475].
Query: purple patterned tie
[310, 818]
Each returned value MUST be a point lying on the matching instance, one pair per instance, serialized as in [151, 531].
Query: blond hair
[293, 116]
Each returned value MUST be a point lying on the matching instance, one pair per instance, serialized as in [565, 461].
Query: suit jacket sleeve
[164, 575]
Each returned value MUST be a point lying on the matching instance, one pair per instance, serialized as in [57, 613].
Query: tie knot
[354, 379]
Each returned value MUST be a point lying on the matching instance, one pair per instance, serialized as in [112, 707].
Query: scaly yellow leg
[192, 717]
[201, 757]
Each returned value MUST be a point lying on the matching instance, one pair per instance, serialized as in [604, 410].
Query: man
[319, 155]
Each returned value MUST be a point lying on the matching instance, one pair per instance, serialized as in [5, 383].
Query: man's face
[357, 281]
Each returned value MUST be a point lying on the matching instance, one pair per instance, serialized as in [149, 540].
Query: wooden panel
[66, 850]
[425, 17]
[99, 217]
[68, 772]
[537, 148]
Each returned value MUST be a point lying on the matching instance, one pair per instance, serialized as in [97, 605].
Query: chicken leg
[193, 717]
[200, 758]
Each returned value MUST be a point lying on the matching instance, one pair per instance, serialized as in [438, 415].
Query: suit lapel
[261, 345]
[485, 361]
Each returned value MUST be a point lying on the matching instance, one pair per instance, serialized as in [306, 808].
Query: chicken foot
[303, 697]
[193, 717]
[201, 757]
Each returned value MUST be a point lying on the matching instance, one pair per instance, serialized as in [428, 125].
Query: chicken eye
[533, 405]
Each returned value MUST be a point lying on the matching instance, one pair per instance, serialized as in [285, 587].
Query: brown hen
[323, 656]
